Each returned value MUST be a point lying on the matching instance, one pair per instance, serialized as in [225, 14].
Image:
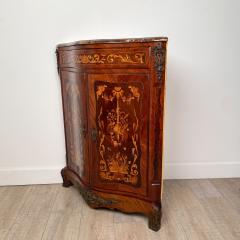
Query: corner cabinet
[113, 102]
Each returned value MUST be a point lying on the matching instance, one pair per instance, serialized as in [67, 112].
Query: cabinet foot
[66, 181]
[154, 219]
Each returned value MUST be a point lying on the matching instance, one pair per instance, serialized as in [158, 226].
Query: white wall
[202, 134]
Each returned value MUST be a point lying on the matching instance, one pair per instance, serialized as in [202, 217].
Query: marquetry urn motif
[118, 125]
[113, 105]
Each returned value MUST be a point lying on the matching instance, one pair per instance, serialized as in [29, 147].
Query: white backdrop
[202, 133]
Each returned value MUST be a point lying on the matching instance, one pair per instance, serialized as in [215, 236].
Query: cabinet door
[119, 112]
[75, 120]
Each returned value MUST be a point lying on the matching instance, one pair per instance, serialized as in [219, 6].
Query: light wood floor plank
[220, 210]
[65, 219]
[230, 190]
[188, 212]
[207, 209]
[33, 215]
[11, 201]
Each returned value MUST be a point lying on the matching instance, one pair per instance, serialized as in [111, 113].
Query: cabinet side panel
[158, 59]
[74, 106]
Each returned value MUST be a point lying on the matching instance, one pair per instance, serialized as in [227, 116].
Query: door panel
[119, 128]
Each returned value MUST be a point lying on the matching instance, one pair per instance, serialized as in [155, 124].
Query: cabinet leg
[66, 182]
[154, 219]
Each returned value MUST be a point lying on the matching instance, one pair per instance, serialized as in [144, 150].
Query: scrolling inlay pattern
[118, 114]
[112, 58]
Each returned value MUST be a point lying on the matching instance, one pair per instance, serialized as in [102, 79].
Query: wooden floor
[192, 209]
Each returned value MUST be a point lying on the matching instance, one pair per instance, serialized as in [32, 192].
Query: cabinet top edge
[120, 40]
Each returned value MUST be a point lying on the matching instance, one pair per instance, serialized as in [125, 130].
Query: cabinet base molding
[126, 204]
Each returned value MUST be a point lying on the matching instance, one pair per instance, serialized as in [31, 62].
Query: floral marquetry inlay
[104, 58]
[118, 115]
